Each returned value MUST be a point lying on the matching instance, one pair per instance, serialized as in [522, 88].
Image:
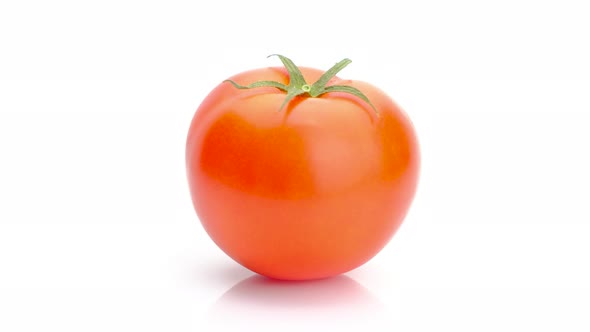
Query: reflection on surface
[258, 291]
[269, 304]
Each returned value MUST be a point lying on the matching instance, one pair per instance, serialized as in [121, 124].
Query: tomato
[300, 187]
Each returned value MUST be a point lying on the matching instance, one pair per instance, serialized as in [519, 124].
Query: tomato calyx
[298, 86]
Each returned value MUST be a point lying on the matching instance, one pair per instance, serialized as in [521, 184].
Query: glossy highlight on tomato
[304, 189]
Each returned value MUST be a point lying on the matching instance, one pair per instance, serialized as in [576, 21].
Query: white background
[97, 231]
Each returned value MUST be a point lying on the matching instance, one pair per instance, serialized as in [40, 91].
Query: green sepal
[350, 90]
[298, 86]
[320, 84]
[295, 75]
[290, 95]
[259, 84]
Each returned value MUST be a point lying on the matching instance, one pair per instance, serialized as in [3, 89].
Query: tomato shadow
[273, 305]
[262, 292]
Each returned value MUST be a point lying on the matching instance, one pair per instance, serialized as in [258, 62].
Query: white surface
[97, 232]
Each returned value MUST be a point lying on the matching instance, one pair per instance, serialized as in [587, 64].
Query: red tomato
[308, 191]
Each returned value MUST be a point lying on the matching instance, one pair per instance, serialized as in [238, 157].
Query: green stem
[298, 86]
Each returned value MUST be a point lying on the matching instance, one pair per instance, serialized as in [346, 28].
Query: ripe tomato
[309, 190]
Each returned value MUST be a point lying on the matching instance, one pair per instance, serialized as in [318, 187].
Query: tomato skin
[308, 192]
